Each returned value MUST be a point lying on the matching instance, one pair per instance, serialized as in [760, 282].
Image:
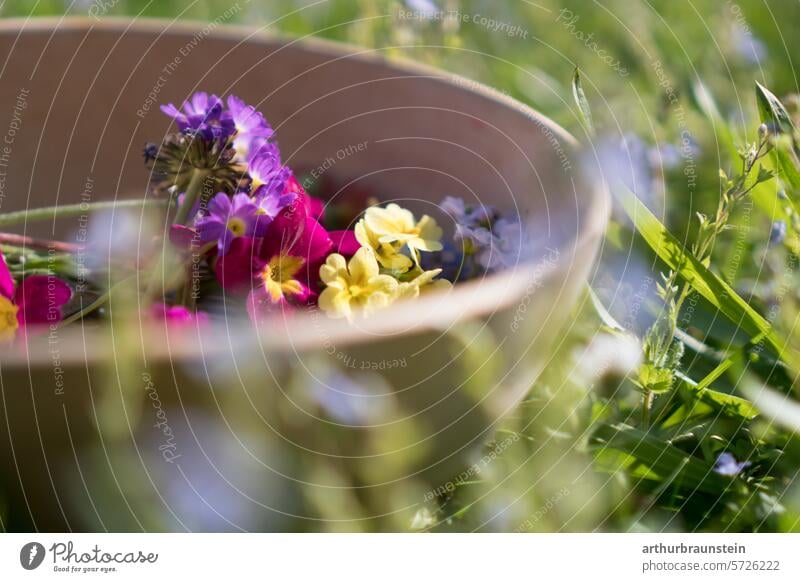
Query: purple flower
[454, 263]
[271, 202]
[203, 115]
[494, 241]
[461, 213]
[471, 222]
[267, 173]
[727, 465]
[252, 130]
[506, 246]
[228, 218]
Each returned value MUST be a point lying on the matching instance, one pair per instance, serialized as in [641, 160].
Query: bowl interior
[82, 98]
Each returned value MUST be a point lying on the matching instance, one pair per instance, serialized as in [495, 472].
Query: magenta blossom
[203, 115]
[279, 282]
[293, 232]
[37, 300]
[344, 242]
[273, 276]
[314, 206]
[227, 218]
[177, 315]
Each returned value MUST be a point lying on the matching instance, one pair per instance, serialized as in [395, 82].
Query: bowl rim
[301, 331]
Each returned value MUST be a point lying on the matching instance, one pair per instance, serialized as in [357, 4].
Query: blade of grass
[661, 457]
[583, 103]
[706, 283]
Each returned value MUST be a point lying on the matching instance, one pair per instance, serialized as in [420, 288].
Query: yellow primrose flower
[421, 283]
[388, 255]
[357, 287]
[393, 224]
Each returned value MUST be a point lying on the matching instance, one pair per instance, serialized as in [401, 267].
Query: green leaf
[786, 163]
[605, 315]
[726, 403]
[661, 458]
[706, 283]
[772, 111]
[708, 106]
[657, 380]
[583, 103]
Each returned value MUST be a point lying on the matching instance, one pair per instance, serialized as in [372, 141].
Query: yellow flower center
[8, 320]
[355, 290]
[279, 276]
[255, 182]
[237, 226]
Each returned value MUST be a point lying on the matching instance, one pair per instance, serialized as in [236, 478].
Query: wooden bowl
[138, 427]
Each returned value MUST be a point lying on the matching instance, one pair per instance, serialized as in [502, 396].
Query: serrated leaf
[656, 380]
[706, 283]
[583, 103]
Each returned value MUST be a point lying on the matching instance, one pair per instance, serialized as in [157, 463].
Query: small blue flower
[727, 465]
[777, 233]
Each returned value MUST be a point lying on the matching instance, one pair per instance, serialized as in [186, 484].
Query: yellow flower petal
[330, 301]
[334, 266]
[363, 266]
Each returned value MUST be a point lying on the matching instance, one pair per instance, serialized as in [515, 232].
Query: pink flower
[314, 206]
[37, 300]
[282, 269]
[344, 242]
[177, 315]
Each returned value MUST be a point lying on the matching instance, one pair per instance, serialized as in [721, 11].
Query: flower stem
[93, 306]
[190, 197]
[68, 210]
[97, 303]
[26, 242]
[647, 405]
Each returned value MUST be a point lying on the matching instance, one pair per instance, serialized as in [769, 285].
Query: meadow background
[671, 87]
